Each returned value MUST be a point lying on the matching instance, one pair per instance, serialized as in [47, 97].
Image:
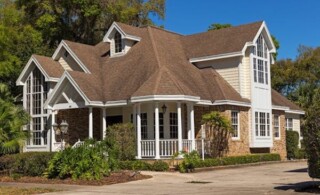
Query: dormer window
[117, 42]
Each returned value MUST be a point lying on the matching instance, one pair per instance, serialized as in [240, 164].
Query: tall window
[235, 124]
[117, 42]
[173, 125]
[276, 126]
[36, 95]
[289, 124]
[262, 124]
[260, 62]
[161, 130]
[144, 126]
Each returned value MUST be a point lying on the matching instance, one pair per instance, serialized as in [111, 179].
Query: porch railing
[168, 147]
[148, 148]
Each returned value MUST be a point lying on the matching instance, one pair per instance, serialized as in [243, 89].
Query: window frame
[262, 124]
[235, 123]
[276, 126]
[261, 62]
[118, 43]
[287, 124]
[173, 125]
[144, 126]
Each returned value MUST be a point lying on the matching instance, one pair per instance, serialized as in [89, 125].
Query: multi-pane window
[173, 125]
[260, 62]
[117, 42]
[235, 124]
[289, 124]
[262, 124]
[161, 130]
[276, 126]
[144, 126]
[36, 94]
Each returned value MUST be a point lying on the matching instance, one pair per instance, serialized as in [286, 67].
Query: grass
[23, 191]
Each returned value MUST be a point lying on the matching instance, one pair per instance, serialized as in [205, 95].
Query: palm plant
[12, 118]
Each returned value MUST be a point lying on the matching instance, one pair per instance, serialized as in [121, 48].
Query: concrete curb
[203, 169]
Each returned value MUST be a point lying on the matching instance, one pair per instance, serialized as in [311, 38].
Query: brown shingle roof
[52, 68]
[222, 41]
[159, 65]
[279, 100]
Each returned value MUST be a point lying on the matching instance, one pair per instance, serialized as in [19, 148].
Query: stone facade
[78, 120]
[236, 147]
[279, 145]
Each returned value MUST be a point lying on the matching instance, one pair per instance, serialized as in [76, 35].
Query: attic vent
[66, 54]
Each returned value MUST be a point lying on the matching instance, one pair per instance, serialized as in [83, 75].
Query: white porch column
[104, 123]
[179, 126]
[191, 117]
[156, 111]
[138, 131]
[53, 135]
[90, 123]
[188, 121]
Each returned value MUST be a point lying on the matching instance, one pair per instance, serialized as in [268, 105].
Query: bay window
[262, 124]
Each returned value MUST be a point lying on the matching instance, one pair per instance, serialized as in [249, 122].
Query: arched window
[117, 42]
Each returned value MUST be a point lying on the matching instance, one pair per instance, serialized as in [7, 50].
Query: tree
[17, 43]
[217, 26]
[86, 21]
[219, 132]
[12, 118]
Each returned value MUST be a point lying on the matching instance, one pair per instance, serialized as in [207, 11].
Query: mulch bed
[114, 178]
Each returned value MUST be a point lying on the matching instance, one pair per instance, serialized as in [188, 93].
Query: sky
[292, 22]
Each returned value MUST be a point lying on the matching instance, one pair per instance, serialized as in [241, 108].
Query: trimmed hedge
[143, 165]
[27, 164]
[292, 142]
[236, 160]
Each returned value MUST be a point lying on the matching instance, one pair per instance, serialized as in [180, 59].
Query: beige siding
[227, 68]
[245, 76]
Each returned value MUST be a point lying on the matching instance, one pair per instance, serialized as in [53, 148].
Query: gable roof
[158, 64]
[215, 42]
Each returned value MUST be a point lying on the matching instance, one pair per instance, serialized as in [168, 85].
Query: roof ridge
[174, 80]
[215, 75]
[223, 29]
[165, 30]
[154, 47]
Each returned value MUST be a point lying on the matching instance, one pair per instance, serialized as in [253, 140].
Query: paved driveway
[280, 178]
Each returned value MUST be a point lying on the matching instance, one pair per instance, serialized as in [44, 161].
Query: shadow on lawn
[306, 186]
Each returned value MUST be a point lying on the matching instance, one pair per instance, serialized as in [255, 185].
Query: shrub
[292, 141]
[89, 161]
[27, 164]
[231, 160]
[160, 166]
[139, 165]
[122, 139]
[301, 154]
[189, 162]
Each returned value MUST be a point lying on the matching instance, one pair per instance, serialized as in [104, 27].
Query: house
[163, 82]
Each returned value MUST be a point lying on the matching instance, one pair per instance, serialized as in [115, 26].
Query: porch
[162, 128]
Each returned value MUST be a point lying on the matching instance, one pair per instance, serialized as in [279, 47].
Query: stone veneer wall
[279, 145]
[236, 147]
[78, 120]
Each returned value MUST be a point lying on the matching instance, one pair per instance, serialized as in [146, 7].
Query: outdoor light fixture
[61, 130]
[164, 108]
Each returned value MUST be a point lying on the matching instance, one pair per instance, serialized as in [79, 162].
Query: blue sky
[292, 22]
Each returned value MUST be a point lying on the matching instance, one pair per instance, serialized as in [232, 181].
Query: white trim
[124, 35]
[27, 69]
[73, 55]
[264, 27]
[279, 127]
[296, 112]
[231, 102]
[216, 57]
[284, 108]
[238, 125]
[165, 98]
